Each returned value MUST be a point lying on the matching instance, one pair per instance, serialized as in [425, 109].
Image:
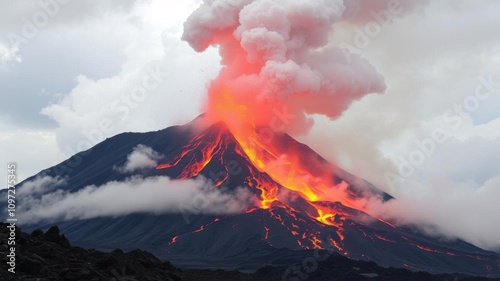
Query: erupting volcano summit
[264, 198]
[299, 202]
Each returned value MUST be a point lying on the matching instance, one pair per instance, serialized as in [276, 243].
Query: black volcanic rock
[43, 257]
[278, 235]
[53, 235]
[337, 267]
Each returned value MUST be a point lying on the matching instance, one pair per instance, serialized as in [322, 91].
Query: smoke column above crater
[276, 56]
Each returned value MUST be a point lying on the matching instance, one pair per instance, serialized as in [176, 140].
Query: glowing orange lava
[285, 165]
[203, 227]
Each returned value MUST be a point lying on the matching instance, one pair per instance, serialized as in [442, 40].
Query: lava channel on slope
[281, 166]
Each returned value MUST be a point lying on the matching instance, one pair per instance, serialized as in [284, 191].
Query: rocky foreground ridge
[49, 256]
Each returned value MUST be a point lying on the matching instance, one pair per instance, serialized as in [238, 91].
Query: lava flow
[272, 170]
[283, 168]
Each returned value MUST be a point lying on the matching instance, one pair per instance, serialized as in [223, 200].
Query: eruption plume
[276, 58]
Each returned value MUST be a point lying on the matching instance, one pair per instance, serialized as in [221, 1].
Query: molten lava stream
[288, 172]
[292, 177]
[201, 228]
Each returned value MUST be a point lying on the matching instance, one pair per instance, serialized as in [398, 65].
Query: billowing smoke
[277, 62]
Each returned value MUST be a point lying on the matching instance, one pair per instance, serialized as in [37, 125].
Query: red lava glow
[203, 227]
[313, 182]
[267, 232]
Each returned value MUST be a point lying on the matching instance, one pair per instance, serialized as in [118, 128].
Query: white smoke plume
[276, 55]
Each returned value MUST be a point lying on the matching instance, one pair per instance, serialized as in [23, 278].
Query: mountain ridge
[251, 239]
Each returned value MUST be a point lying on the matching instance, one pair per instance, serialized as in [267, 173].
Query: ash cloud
[135, 195]
[454, 195]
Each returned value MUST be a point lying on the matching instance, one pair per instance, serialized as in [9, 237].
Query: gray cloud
[66, 11]
[58, 50]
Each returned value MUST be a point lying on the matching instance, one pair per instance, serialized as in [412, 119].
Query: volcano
[302, 203]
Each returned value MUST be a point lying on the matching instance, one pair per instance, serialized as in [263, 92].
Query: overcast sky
[70, 69]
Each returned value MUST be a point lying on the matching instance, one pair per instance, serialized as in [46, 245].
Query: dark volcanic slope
[97, 165]
[49, 256]
[258, 237]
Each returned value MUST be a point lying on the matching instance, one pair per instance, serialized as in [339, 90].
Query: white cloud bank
[136, 195]
[465, 211]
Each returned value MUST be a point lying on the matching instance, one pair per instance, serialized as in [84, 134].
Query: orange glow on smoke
[203, 227]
